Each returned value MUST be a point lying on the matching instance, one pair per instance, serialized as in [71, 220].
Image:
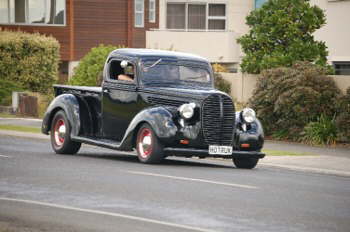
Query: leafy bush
[289, 98]
[91, 65]
[6, 88]
[29, 60]
[281, 33]
[222, 84]
[323, 131]
[219, 68]
[343, 118]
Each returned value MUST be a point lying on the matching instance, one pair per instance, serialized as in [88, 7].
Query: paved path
[104, 190]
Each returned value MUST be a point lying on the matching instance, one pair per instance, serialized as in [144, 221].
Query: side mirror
[123, 64]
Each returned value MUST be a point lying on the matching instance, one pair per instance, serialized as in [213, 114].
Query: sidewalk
[326, 160]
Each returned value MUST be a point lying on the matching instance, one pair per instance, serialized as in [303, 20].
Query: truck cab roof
[149, 53]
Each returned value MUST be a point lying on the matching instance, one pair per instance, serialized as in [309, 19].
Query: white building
[210, 28]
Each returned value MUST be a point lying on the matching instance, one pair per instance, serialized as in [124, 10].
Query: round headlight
[248, 115]
[187, 110]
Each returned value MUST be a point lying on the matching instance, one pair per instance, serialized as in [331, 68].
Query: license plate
[220, 150]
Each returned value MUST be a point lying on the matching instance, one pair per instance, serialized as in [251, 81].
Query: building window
[139, 13]
[33, 12]
[342, 67]
[152, 11]
[176, 16]
[259, 3]
[196, 16]
[217, 17]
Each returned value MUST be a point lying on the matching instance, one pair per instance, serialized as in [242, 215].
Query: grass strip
[20, 128]
[286, 153]
[5, 115]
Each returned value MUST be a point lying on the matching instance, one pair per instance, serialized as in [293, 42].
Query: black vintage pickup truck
[161, 104]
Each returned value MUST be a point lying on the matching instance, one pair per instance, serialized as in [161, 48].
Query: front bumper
[189, 152]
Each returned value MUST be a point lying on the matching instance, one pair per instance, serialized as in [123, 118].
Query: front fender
[70, 105]
[254, 135]
[160, 119]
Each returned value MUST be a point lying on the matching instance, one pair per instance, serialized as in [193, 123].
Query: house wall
[92, 22]
[236, 12]
[99, 22]
[336, 33]
[139, 34]
[214, 45]
[108, 22]
[61, 33]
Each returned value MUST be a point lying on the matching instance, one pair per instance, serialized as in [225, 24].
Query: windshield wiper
[154, 64]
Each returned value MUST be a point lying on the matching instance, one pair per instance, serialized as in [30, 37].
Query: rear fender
[70, 105]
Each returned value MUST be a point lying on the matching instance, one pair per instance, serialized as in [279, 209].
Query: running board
[97, 142]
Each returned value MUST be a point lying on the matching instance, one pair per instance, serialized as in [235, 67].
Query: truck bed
[81, 90]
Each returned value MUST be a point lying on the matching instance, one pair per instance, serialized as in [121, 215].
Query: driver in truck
[128, 74]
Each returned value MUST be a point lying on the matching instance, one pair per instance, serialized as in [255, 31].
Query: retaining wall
[242, 85]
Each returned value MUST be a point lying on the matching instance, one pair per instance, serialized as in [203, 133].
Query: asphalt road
[103, 190]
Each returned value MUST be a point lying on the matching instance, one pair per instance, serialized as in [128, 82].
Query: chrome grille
[218, 120]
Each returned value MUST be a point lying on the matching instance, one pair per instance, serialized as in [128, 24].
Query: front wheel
[149, 149]
[60, 135]
[246, 163]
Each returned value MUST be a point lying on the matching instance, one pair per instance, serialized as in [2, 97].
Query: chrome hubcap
[60, 132]
[145, 143]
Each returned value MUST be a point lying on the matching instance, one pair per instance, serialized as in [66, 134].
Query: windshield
[159, 72]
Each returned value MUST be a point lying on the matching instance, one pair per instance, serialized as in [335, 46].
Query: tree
[91, 66]
[281, 34]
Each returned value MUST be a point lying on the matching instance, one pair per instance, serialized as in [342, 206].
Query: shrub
[323, 131]
[6, 88]
[91, 65]
[289, 98]
[222, 84]
[29, 60]
[219, 68]
[343, 118]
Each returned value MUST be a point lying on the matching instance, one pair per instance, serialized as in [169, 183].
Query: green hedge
[6, 88]
[91, 66]
[222, 84]
[343, 117]
[287, 99]
[29, 60]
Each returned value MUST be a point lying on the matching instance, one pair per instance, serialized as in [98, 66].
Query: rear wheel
[149, 149]
[60, 135]
[246, 163]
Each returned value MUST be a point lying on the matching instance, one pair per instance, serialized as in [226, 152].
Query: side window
[119, 73]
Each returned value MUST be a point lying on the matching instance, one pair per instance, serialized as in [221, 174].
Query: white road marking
[5, 156]
[107, 214]
[192, 179]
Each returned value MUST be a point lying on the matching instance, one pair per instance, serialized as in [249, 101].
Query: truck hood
[183, 93]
